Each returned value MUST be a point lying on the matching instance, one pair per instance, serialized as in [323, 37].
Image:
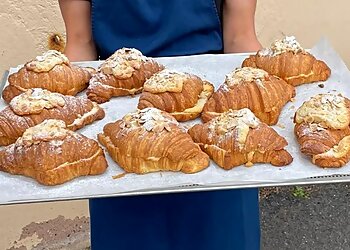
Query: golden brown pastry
[151, 140]
[51, 71]
[52, 154]
[123, 73]
[265, 95]
[322, 130]
[237, 137]
[36, 105]
[180, 94]
[287, 59]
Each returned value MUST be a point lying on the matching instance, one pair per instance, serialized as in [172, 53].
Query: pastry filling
[328, 110]
[166, 81]
[33, 101]
[338, 151]
[81, 118]
[244, 75]
[202, 99]
[47, 61]
[123, 63]
[150, 119]
[237, 122]
[287, 44]
[48, 130]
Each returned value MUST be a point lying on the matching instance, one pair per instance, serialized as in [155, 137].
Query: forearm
[77, 18]
[239, 26]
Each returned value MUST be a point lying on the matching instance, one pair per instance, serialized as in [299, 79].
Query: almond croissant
[52, 155]
[288, 60]
[36, 105]
[322, 129]
[238, 137]
[265, 95]
[180, 94]
[51, 71]
[151, 140]
[123, 73]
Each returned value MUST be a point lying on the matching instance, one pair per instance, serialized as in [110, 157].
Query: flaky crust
[327, 147]
[294, 68]
[262, 145]
[103, 87]
[51, 165]
[64, 79]
[266, 101]
[139, 151]
[185, 105]
[77, 112]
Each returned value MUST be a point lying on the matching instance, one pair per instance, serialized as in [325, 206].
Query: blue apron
[220, 220]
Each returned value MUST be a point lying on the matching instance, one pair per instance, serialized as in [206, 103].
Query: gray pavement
[321, 221]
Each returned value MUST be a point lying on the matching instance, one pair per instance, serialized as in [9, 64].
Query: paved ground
[318, 218]
[321, 221]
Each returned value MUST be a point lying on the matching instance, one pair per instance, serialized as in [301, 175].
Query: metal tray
[11, 194]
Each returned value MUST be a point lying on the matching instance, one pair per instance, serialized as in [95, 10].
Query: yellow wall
[25, 25]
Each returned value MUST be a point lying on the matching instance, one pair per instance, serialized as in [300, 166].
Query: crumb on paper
[321, 85]
[292, 99]
[292, 118]
[119, 176]
[292, 107]
[280, 125]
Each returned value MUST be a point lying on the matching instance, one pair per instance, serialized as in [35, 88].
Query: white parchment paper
[213, 68]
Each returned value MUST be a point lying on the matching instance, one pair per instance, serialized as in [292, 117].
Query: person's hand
[77, 18]
[249, 44]
[239, 26]
[80, 52]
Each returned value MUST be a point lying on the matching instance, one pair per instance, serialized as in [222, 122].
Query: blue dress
[222, 220]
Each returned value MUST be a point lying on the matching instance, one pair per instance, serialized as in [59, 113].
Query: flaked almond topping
[234, 121]
[288, 43]
[123, 63]
[328, 110]
[33, 101]
[246, 74]
[48, 130]
[166, 81]
[151, 119]
[47, 61]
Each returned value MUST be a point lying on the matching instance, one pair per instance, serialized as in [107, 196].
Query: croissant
[237, 137]
[51, 71]
[322, 129]
[180, 94]
[36, 105]
[288, 60]
[265, 95]
[52, 154]
[123, 73]
[151, 140]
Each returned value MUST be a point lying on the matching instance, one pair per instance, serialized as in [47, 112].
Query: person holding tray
[197, 220]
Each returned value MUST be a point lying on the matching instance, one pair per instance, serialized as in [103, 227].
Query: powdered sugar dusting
[47, 61]
[45, 131]
[166, 80]
[123, 62]
[234, 122]
[151, 119]
[288, 43]
[329, 110]
[245, 75]
[33, 101]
